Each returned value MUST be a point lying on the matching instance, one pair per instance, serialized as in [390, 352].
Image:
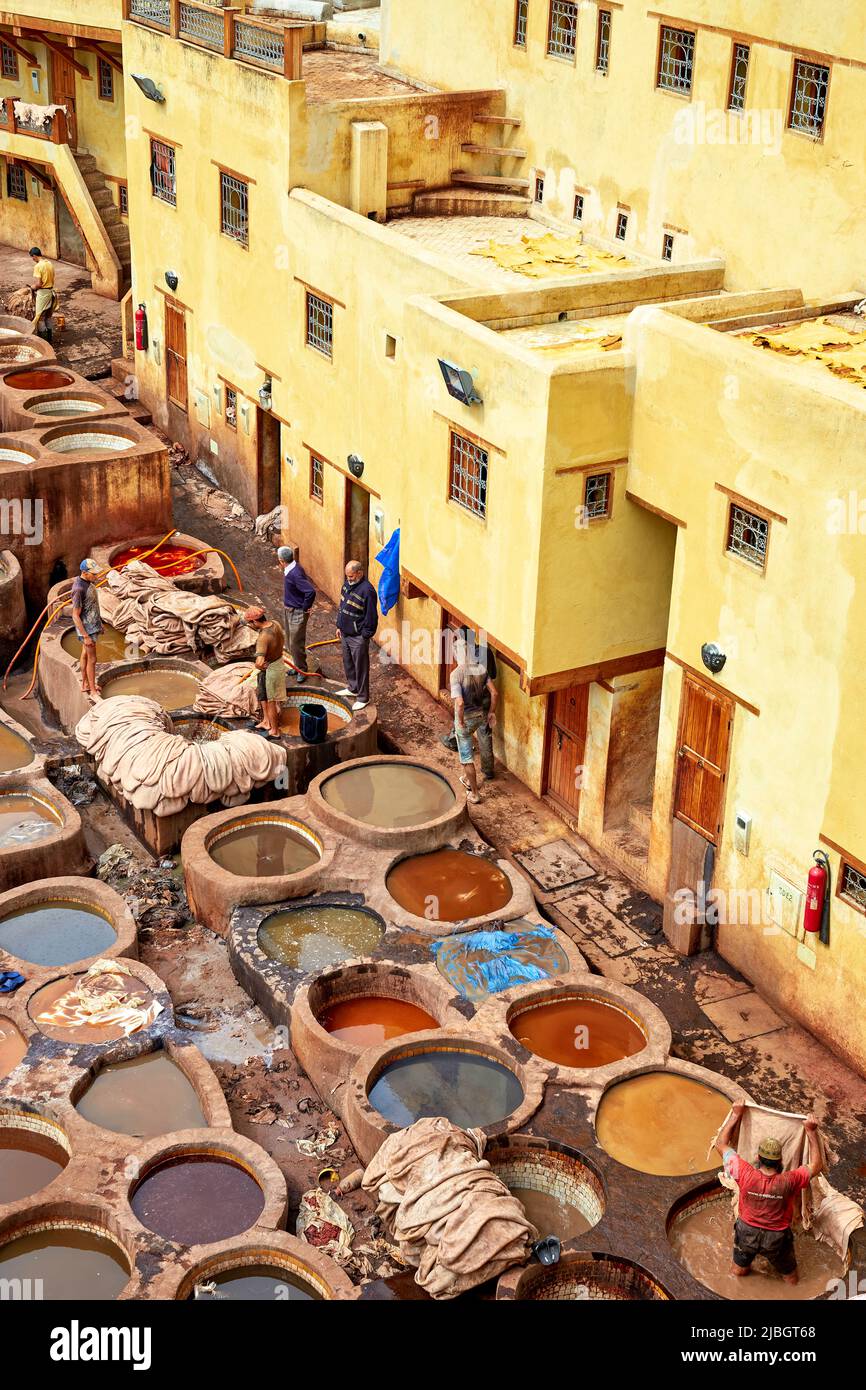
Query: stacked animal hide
[230, 692]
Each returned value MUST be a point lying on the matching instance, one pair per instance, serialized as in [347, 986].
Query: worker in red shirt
[767, 1196]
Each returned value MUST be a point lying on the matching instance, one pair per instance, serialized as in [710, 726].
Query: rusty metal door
[706, 718]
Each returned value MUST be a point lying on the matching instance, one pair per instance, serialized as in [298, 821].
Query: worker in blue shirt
[357, 621]
[299, 595]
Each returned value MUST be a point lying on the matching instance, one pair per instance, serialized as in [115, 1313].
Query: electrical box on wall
[218, 397]
[202, 407]
[379, 525]
[245, 416]
[786, 905]
[742, 832]
[156, 350]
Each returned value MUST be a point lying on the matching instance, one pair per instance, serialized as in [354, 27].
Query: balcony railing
[24, 118]
[273, 47]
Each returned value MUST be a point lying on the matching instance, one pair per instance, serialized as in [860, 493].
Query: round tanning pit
[38, 379]
[13, 1046]
[63, 407]
[199, 728]
[575, 1028]
[370, 1020]
[110, 644]
[17, 354]
[277, 1268]
[168, 559]
[143, 1097]
[449, 885]
[391, 794]
[56, 1011]
[337, 712]
[601, 1278]
[313, 936]
[66, 1259]
[197, 1197]
[24, 819]
[561, 1195]
[103, 439]
[56, 932]
[15, 752]
[33, 1152]
[168, 686]
[15, 455]
[264, 846]
[701, 1233]
[457, 1080]
[662, 1123]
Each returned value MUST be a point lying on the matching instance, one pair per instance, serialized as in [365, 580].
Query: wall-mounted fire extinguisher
[141, 329]
[816, 915]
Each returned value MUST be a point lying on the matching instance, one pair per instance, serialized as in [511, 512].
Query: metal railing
[203, 25]
[154, 13]
[259, 43]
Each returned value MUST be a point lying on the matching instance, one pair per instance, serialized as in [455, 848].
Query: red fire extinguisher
[141, 329]
[816, 916]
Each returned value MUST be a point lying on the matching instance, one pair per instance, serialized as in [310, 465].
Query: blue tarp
[485, 962]
[389, 584]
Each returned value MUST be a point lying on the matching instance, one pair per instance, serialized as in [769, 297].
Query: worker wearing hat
[88, 623]
[767, 1197]
[299, 595]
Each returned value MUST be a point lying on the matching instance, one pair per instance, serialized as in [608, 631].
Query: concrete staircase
[628, 845]
[100, 195]
[500, 191]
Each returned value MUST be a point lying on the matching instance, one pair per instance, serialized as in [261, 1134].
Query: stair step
[487, 180]
[469, 202]
[640, 814]
[498, 120]
[121, 368]
[502, 151]
[119, 233]
[84, 160]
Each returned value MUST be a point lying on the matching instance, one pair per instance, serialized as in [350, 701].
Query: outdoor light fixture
[356, 465]
[266, 399]
[459, 383]
[171, 279]
[713, 657]
[148, 86]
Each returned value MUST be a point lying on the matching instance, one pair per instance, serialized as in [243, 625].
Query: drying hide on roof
[454, 1220]
[136, 749]
[158, 617]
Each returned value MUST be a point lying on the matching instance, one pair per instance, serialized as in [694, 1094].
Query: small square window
[809, 98]
[390, 345]
[602, 46]
[234, 208]
[596, 496]
[468, 480]
[16, 182]
[739, 77]
[668, 246]
[123, 199]
[162, 172]
[578, 207]
[521, 15]
[621, 225]
[748, 535]
[317, 479]
[539, 188]
[231, 408]
[320, 324]
[562, 29]
[853, 886]
[8, 62]
[105, 80]
[676, 60]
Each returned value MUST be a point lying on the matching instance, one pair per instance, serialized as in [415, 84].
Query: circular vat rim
[515, 1283]
[541, 1144]
[260, 816]
[18, 1114]
[49, 436]
[433, 833]
[94, 406]
[182, 666]
[519, 905]
[21, 1022]
[13, 344]
[13, 444]
[85, 892]
[63, 813]
[139, 973]
[71, 1213]
[277, 1247]
[212, 567]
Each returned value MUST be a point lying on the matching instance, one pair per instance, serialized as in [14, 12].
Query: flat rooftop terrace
[338, 75]
[570, 339]
[834, 341]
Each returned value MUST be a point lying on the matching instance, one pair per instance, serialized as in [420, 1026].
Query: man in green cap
[767, 1195]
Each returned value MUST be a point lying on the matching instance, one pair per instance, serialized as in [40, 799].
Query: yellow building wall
[724, 184]
[98, 18]
[708, 411]
[28, 224]
[101, 128]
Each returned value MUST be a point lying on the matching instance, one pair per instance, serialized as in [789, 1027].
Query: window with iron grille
[468, 484]
[602, 46]
[739, 77]
[853, 886]
[748, 535]
[539, 188]
[521, 14]
[317, 479]
[123, 199]
[621, 225]
[809, 98]
[668, 246]
[8, 62]
[562, 29]
[162, 178]
[231, 408]
[16, 182]
[578, 207]
[234, 214]
[596, 496]
[105, 78]
[676, 59]
[320, 324]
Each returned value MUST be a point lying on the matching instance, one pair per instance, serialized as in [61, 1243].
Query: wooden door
[175, 353]
[268, 460]
[567, 713]
[706, 717]
[63, 92]
[356, 539]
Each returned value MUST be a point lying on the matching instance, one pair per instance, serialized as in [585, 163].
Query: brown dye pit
[550, 1215]
[171, 689]
[144, 1097]
[14, 751]
[110, 644]
[197, 1199]
[661, 1123]
[39, 379]
[389, 794]
[263, 849]
[448, 885]
[44, 999]
[578, 1032]
[55, 933]
[255, 1283]
[290, 720]
[29, 1161]
[71, 1263]
[466, 1087]
[13, 1046]
[25, 819]
[370, 1020]
[702, 1239]
[312, 938]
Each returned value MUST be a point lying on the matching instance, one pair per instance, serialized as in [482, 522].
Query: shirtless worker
[767, 1196]
[271, 683]
[88, 623]
[46, 297]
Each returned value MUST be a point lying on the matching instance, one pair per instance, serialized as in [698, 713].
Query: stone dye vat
[17, 354]
[369, 1020]
[603, 1278]
[560, 1193]
[188, 562]
[73, 1261]
[198, 1197]
[274, 1267]
[389, 795]
[449, 885]
[93, 440]
[46, 1009]
[56, 932]
[312, 937]
[576, 1030]
[169, 558]
[33, 1152]
[467, 1087]
[661, 1123]
[13, 1046]
[264, 846]
[256, 1283]
[290, 714]
[42, 378]
[144, 1097]
[171, 688]
[110, 644]
[15, 752]
[24, 819]
[701, 1233]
